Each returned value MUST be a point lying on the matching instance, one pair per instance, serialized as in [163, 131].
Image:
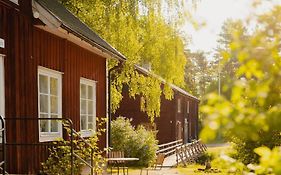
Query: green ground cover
[192, 169]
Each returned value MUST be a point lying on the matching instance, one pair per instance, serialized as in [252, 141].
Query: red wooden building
[178, 117]
[51, 66]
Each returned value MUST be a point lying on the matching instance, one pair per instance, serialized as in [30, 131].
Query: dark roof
[174, 87]
[77, 27]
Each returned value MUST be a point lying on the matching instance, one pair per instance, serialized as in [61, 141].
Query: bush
[59, 160]
[139, 142]
[245, 148]
[204, 158]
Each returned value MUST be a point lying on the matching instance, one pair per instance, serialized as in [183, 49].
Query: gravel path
[163, 171]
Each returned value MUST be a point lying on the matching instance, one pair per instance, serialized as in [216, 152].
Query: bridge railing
[169, 148]
[190, 152]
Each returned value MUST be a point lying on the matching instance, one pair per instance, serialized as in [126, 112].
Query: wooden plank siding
[26, 48]
[166, 124]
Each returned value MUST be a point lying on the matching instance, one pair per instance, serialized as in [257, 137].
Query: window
[49, 104]
[187, 107]
[87, 107]
[179, 105]
[2, 86]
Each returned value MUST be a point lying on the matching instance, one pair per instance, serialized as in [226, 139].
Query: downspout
[109, 102]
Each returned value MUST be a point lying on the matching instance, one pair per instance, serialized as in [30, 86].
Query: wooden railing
[190, 152]
[169, 148]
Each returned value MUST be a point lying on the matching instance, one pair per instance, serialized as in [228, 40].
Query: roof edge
[174, 87]
[53, 21]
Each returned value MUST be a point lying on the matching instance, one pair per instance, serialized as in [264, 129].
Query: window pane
[83, 90]
[44, 127]
[44, 103]
[54, 86]
[54, 105]
[83, 122]
[90, 126]
[90, 92]
[187, 107]
[90, 107]
[54, 124]
[179, 105]
[43, 84]
[83, 106]
[90, 118]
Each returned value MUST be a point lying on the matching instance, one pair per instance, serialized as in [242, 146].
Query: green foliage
[59, 160]
[270, 160]
[138, 142]
[146, 32]
[205, 158]
[228, 164]
[198, 72]
[250, 117]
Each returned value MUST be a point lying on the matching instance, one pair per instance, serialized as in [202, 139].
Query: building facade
[178, 117]
[51, 66]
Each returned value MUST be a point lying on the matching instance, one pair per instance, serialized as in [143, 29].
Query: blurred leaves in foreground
[251, 116]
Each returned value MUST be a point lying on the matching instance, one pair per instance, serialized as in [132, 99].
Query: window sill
[87, 133]
[48, 137]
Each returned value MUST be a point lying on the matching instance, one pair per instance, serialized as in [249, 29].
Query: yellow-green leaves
[251, 114]
[270, 160]
[144, 34]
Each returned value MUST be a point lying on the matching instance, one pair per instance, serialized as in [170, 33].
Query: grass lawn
[192, 169]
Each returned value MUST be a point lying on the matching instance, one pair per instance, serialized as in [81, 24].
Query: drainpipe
[109, 102]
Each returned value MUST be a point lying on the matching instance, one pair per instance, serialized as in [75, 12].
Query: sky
[213, 13]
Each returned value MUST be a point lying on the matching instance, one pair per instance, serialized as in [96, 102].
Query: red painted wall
[28, 47]
[170, 124]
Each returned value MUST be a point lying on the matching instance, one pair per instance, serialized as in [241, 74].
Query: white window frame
[179, 105]
[89, 132]
[50, 136]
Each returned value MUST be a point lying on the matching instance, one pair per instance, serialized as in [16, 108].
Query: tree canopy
[147, 33]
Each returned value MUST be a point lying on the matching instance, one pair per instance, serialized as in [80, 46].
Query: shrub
[204, 158]
[139, 142]
[245, 148]
[59, 160]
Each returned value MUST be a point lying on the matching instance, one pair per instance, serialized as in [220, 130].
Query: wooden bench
[190, 152]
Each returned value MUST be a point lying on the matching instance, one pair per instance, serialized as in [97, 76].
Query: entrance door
[2, 92]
